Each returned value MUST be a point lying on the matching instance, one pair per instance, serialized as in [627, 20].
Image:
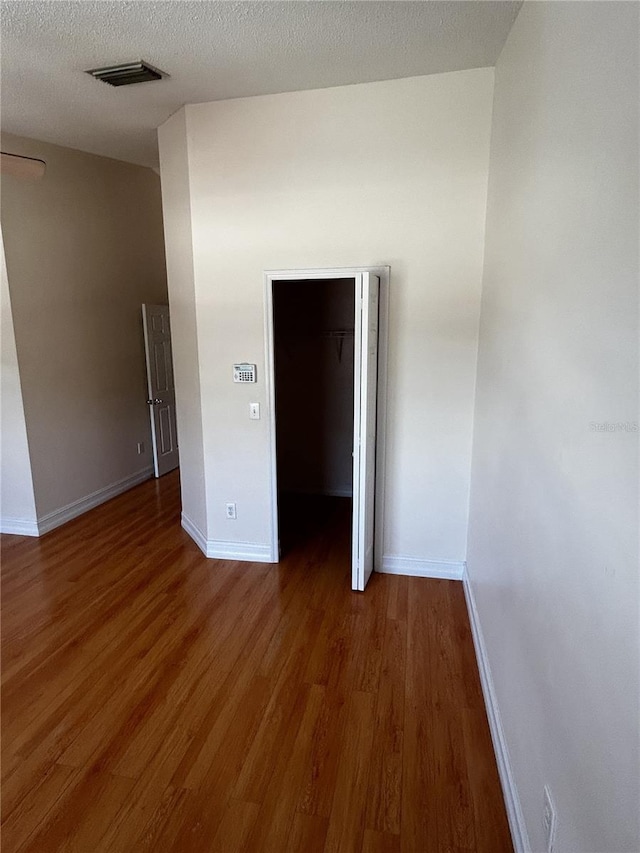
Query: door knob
[154, 402]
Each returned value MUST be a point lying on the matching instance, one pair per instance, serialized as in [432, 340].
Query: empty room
[319, 426]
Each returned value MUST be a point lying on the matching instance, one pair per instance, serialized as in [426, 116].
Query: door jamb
[270, 276]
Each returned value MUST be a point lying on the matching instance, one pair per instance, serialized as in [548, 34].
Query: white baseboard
[60, 516]
[393, 564]
[248, 551]
[220, 549]
[194, 532]
[517, 825]
[19, 527]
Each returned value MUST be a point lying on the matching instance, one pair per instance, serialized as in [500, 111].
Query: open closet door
[364, 438]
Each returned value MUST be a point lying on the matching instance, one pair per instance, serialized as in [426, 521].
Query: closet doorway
[326, 357]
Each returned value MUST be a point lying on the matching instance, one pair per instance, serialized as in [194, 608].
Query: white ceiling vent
[127, 73]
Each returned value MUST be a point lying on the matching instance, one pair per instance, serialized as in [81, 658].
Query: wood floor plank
[419, 805]
[25, 820]
[317, 790]
[226, 750]
[346, 822]
[275, 818]
[397, 607]
[212, 655]
[154, 700]
[234, 828]
[90, 795]
[89, 826]
[374, 607]
[282, 716]
[449, 770]
[141, 821]
[308, 833]
[471, 687]
[160, 829]
[384, 798]
[380, 842]
[490, 819]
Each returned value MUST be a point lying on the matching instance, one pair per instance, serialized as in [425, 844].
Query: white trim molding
[19, 527]
[219, 549]
[194, 532]
[60, 516]
[252, 552]
[517, 825]
[270, 276]
[45, 523]
[415, 567]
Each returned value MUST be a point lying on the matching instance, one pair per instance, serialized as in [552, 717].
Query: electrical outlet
[549, 819]
[140, 448]
[231, 510]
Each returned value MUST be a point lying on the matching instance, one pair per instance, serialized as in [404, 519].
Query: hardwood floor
[153, 700]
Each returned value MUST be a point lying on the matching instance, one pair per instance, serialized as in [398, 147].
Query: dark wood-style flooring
[153, 700]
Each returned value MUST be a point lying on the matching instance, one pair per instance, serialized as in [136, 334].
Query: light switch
[254, 411]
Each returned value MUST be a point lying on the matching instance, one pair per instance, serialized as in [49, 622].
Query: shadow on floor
[303, 519]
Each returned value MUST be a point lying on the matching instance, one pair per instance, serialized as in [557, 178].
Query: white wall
[84, 249]
[382, 173]
[176, 206]
[553, 547]
[314, 376]
[17, 501]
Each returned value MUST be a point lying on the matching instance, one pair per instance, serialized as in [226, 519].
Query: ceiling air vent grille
[127, 74]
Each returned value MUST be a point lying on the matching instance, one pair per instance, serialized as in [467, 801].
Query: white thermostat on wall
[244, 373]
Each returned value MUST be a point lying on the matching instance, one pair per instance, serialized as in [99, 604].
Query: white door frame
[270, 276]
[162, 462]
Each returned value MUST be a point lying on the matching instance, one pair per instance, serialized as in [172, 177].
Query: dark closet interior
[314, 374]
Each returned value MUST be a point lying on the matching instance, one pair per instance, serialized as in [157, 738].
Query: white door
[364, 430]
[160, 388]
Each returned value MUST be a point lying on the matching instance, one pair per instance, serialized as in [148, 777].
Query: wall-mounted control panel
[244, 373]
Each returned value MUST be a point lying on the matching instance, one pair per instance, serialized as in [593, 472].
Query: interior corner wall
[17, 501]
[381, 173]
[553, 537]
[174, 169]
[84, 248]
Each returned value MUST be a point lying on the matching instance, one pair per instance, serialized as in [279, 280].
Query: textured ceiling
[216, 50]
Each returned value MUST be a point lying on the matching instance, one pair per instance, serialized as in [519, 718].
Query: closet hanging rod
[329, 333]
[338, 333]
